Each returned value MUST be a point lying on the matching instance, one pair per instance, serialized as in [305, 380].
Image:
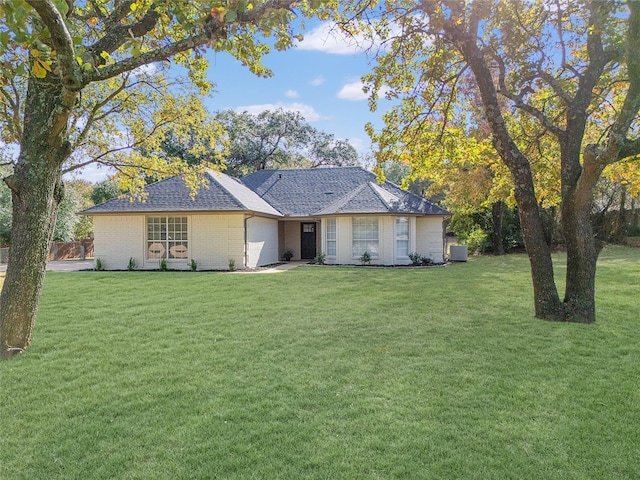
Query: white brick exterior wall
[216, 239]
[429, 238]
[262, 241]
[425, 238]
[117, 238]
[213, 240]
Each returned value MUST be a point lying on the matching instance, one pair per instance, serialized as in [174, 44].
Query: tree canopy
[559, 85]
[280, 139]
[84, 78]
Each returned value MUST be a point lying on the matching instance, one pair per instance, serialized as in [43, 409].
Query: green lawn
[325, 373]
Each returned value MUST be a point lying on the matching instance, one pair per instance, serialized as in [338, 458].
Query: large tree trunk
[545, 293]
[547, 302]
[578, 183]
[582, 254]
[36, 187]
[497, 215]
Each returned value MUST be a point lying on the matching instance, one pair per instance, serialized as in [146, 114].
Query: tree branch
[118, 33]
[520, 103]
[618, 147]
[14, 123]
[630, 148]
[213, 27]
[598, 59]
[63, 46]
[92, 116]
[131, 145]
[146, 58]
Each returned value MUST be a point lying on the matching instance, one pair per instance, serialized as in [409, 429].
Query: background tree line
[268, 140]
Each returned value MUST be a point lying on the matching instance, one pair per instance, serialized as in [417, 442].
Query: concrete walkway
[63, 265]
[282, 267]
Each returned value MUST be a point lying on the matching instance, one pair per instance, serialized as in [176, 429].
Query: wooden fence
[71, 250]
[80, 249]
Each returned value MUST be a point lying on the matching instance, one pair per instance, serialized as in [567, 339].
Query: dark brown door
[307, 240]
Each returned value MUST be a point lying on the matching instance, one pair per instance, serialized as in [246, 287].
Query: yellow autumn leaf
[218, 12]
[38, 70]
[44, 64]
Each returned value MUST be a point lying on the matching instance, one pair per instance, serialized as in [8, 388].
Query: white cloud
[354, 92]
[316, 82]
[291, 94]
[147, 69]
[358, 144]
[307, 111]
[329, 38]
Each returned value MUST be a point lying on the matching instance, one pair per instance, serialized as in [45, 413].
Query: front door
[308, 240]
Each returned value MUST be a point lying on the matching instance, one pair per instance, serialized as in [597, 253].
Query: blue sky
[320, 78]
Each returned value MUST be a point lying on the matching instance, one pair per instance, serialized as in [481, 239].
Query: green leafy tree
[556, 66]
[55, 55]
[69, 225]
[280, 139]
[105, 190]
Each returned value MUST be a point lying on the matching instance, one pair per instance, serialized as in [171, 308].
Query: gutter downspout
[246, 240]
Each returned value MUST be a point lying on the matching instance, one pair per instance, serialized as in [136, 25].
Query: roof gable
[330, 191]
[220, 193]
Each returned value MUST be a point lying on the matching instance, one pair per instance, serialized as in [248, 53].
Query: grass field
[325, 373]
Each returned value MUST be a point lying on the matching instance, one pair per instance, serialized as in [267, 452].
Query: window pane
[167, 237]
[402, 237]
[365, 236]
[331, 236]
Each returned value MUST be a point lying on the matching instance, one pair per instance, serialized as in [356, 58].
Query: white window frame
[372, 237]
[331, 237]
[398, 239]
[165, 238]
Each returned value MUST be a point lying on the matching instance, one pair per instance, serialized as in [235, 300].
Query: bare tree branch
[518, 101]
[13, 120]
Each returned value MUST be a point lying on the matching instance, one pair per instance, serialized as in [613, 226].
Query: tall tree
[280, 139]
[558, 64]
[52, 53]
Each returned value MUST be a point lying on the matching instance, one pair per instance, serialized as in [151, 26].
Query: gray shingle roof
[295, 193]
[327, 191]
[223, 193]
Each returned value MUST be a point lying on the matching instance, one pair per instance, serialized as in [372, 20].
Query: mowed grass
[325, 373]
